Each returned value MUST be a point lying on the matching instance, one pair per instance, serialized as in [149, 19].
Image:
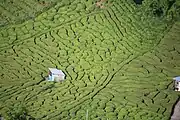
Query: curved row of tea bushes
[103, 54]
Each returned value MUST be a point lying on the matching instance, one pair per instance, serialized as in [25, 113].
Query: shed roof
[56, 71]
[177, 78]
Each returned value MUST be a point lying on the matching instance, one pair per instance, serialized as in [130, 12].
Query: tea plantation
[119, 62]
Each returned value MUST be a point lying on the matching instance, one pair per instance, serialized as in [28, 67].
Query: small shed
[55, 75]
[177, 83]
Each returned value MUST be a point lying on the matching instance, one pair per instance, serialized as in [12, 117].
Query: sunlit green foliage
[117, 58]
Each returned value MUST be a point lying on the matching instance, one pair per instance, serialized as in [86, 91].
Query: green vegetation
[18, 112]
[14, 11]
[167, 9]
[119, 59]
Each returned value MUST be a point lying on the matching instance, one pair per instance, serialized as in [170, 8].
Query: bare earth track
[118, 63]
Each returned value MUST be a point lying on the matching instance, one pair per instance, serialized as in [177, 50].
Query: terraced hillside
[17, 11]
[118, 63]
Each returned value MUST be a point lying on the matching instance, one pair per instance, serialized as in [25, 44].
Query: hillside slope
[118, 63]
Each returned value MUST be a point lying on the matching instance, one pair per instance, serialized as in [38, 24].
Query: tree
[168, 9]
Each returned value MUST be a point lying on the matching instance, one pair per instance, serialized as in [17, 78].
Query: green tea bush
[122, 114]
[18, 112]
[102, 104]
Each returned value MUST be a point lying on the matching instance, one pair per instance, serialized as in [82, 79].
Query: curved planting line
[23, 10]
[107, 80]
[39, 33]
[101, 50]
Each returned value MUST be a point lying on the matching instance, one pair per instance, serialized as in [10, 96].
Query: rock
[176, 112]
[1, 118]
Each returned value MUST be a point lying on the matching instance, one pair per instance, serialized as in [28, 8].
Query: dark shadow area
[139, 2]
[158, 12]
[170, 3]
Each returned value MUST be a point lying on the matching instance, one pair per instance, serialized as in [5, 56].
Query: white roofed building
[177, 83]
[56, 75]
